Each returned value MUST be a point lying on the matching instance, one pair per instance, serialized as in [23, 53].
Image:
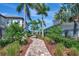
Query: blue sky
[10, 9]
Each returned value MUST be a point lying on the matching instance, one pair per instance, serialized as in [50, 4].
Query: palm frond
[28, 12]
[44, 23]
[20, 7]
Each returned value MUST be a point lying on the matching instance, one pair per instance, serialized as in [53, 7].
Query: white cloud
[7, 14]
[3, 13]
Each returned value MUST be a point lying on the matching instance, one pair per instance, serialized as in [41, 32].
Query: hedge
[68, 42]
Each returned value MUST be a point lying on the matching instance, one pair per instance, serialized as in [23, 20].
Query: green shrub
[68, 42]
[48, 39]
[4, 42]
[14, 32]
[24, 40]
[55, 29]
[59, 49]
[73, 52]
[13, 49]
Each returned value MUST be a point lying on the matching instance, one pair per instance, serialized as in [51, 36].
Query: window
[7, 22]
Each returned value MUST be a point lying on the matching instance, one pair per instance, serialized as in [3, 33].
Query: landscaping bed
[50, 47]
[58, 49]
[24, 48]
[64, 46]
[15, 41]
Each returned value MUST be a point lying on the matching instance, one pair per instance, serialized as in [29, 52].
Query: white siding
[6, 22]
[67, 26]
[78, 33]
[14, 21]
[70, 33]
[20, 23]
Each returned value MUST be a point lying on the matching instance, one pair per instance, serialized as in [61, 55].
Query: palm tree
[67, 11]
[74, 9]
[41, 23]
[26, 8]
[34, 26]
[42, 10]
[75, 12]
[64, 14]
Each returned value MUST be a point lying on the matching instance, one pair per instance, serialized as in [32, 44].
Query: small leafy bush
[13, 49]
[14, 32]
[68, 42]
[54, 30]
[59, 49]
[73, 52]
[4, 42]
[24, 40]
[55, 34]
[48, 39]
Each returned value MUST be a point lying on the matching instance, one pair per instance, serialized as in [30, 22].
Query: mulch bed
[50, 47]
[25, 47]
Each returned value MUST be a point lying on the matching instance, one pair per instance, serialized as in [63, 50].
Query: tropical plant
[34, 26]
[41, 23]
[67, 13]
[42, 10]
[54, 30]
[4, 42]
[14, 32]
[64, 13]
[24, 40]
[26, 8]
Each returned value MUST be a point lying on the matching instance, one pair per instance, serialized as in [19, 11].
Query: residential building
[8, 20]
[68, 29]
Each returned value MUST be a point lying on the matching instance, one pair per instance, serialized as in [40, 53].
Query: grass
[59, 49]
[73, 52]
[12, 49]
[3, 52]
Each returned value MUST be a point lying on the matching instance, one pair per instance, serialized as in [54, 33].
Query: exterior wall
[10, 21]
[4, 22]
[78, 33]
[0, 32]
[67, 26]
[70, 33]
[70, 28]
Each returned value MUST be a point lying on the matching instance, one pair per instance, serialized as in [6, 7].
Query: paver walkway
[37, 48]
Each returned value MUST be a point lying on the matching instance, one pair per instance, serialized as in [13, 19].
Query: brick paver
[37, 48]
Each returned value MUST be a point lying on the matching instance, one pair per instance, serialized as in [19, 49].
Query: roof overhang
[12, 17]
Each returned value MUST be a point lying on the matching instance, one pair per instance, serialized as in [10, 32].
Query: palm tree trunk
[42, 27]
[75, 29]
[24, 16]
[32, 31]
